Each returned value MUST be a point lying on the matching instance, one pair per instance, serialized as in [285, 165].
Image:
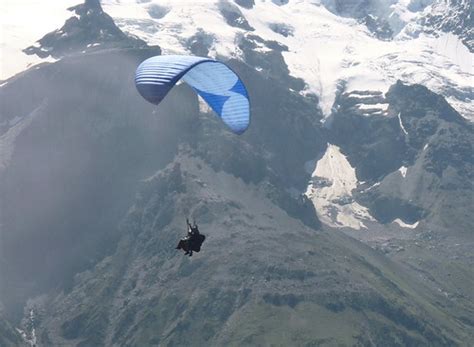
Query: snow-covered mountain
[332, 45]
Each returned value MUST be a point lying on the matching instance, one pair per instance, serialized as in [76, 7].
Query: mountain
[405, 153]
[8, 335]
[454, 16]
[361, 45]
[265, 278]
[84, 32]
[342, 216]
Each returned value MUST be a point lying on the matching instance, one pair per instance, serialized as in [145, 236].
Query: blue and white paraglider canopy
[214, 81]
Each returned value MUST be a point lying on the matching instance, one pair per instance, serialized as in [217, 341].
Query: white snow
[381, 107]
[405, 225]
[374, 185]
[324, 49]
[449, 46]
[359, 96]
[371, 187]
[403, 171]
[183, 20]
[339, 181]
[401, 124]
[93, 44]
[23, 22]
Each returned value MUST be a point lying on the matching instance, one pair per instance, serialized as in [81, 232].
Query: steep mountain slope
[69, 188]
[65, 167]
[416, 161]
[262, 278]
[8, 336]
[412, 172]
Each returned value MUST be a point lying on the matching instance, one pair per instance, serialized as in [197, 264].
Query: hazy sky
[23, 22]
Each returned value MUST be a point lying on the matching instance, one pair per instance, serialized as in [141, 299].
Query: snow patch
[260, 47]
[330, 190]
[405, 225]
[401, 124]
[93, 44]
[371, 109]
[371, 187]
[382, 107]
[403, 171]
[354, 94]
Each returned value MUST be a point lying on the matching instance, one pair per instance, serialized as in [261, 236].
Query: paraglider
[193, 240]
[214, 81]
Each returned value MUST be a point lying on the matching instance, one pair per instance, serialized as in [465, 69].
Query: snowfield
[330, 190]
[405, 225]
[325, 50]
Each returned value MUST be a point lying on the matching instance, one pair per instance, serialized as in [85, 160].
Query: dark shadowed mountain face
[95, 186]
[91, 29]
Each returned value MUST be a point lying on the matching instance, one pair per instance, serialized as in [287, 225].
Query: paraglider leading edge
[214, 81]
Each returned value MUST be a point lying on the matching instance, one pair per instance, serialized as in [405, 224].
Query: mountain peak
[407, 97]
[90, 29]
